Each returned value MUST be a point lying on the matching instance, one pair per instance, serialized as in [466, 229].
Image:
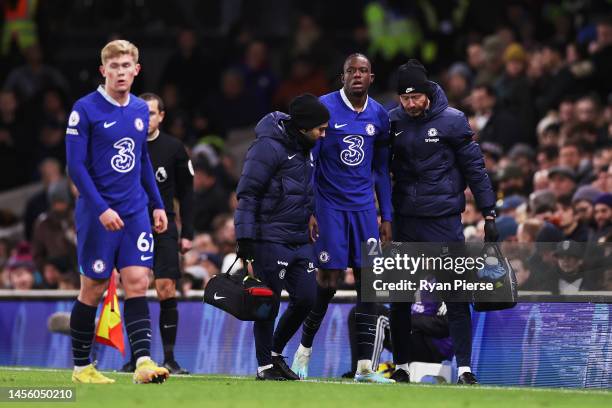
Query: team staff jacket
[174, 176]
[434, 158]
[275, 196]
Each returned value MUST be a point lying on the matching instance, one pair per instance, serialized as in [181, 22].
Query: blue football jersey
[343, 158]
[106, 147]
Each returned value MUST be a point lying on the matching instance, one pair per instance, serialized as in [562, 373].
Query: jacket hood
[272, 126]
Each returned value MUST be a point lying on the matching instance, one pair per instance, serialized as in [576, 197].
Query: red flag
[110, 329]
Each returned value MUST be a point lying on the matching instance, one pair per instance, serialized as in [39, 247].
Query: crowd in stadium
[536, 87]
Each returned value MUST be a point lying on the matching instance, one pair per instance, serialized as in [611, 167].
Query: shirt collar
[110, 99]
[349, 104]
[153, 136]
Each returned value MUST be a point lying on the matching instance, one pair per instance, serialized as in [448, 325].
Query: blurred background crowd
[534, 78]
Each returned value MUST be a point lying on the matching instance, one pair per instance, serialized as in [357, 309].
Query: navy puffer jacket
[275, 196]
[434, 158]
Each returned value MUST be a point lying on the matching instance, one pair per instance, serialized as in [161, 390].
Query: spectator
[511, 180]
[582, 201]
[259, 79]
[21, 269]
[572, 275]
[547, 157]
[35, 76]
[568, 221]
[562, 180]
[494, 124]
[603, 216]
[304, 77]
[54, 233]
[211, 198]
[51, 172]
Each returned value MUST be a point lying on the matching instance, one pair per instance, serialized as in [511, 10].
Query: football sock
[400, 321]
[463, 369]
[168, 321]
[263, 331]
[364, 366]
[315, 316]
[82, 327]
[138, 326]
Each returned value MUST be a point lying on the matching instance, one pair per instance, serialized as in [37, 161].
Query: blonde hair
[117, 48]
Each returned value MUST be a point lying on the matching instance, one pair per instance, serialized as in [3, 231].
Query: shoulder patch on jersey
[138, 124]
[74, 118]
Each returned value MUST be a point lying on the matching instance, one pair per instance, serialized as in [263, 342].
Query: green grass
[222, 391]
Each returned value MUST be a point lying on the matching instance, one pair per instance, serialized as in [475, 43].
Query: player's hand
[490, 230]
[386, 234]
[111, 220]
[185, 245]
[160, 221]
[245, 250]
[313, 228]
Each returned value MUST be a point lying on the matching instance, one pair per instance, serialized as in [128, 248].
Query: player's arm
[184, 193]
[147, 177]
[259, 167]
[382, 179]
[471, 164]
[77, 139]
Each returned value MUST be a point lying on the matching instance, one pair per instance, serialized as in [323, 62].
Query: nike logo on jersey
[145, 258]
[291, 157]
[107, 125]
[398, 133]
[216, 297]
[310, 270]
[337, 126]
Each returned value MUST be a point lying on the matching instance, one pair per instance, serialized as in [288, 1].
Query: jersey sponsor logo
[284, 263]
[138, 124]
[338, 126]
[323, 257]
[281, 274]
[71, 131]
[161, 175]
[109, 124]
[353, 155]
[370, 129]
[74, 118]
[124, 160]
[432, 132]
[432, 140]
[98, 266]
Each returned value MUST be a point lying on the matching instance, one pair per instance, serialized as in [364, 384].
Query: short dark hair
[356, 55]
[150, 96]
[551, 152]
[488, 89]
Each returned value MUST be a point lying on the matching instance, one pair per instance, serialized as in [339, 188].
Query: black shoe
[270, 374]
[400, 376]
[349, 374]
[128, 367]
[467, 378]
[174, 367]
[280, 364]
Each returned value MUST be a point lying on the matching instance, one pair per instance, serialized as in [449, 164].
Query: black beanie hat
[412, 78]
[307, 112]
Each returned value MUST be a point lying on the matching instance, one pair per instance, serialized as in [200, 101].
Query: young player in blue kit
[106, 145]
[349, 162]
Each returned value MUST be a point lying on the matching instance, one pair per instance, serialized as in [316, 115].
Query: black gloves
[245, 249]
[490, 230]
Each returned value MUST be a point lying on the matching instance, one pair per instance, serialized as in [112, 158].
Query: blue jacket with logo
[275, 196]
[434, 158]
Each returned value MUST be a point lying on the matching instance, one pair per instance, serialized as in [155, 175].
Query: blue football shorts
[99, 250]
[341, 235]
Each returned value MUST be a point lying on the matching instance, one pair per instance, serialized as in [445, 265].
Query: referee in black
[174, 174]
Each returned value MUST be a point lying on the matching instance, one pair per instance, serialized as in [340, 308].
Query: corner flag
[110, 329]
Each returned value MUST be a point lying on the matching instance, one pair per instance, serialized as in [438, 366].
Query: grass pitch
[224, 391]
